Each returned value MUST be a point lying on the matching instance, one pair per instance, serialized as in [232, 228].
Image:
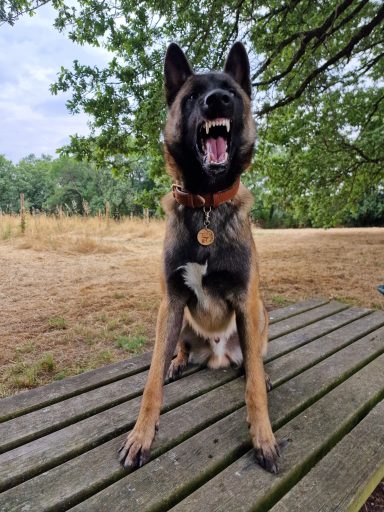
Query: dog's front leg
[266, 448]
[136, 449]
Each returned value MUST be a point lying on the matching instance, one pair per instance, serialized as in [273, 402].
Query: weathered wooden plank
[243, 486]
[24, 428]
[70, 441]
[308, 317]
[347, 475]
[39, 422]
[37, 454]
[42, 396]
[173, 475]
[303, 335]
[50, 393]
[323, 347]
[100, 466]
[282, 313]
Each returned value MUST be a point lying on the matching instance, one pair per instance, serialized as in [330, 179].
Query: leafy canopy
[317, 71]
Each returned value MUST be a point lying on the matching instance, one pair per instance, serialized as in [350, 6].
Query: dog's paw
[267, 450]
[136, 449]
[176, 368]
[267, 456]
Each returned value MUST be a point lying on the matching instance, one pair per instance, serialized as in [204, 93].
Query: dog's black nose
[218, 102]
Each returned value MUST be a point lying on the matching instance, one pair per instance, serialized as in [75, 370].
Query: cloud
[31, 119]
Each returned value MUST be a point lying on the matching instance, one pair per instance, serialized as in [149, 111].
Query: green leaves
[66, 184]
[317, 68]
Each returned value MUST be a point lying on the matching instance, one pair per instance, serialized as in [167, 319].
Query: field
[77, 293]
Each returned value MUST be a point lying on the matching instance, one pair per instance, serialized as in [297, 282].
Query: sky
[32, 120]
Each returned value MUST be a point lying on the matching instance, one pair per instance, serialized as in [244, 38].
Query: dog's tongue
[216, 149]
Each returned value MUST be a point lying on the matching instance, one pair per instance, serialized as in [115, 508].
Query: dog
[211, 308]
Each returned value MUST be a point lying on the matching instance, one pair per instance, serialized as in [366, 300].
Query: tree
[8, 185]
[11, 10]
[317, 74]
[34, 180]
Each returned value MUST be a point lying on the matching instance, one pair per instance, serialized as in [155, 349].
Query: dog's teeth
[227, 124]
[207, 127]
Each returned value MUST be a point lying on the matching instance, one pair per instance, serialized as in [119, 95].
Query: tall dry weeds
[77, 234]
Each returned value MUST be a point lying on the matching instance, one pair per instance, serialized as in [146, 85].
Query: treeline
[65, 184]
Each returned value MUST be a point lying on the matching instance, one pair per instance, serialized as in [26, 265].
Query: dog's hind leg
[136, 449]
[180, 362]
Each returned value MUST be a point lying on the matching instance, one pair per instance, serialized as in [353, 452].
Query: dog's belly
[215, 341]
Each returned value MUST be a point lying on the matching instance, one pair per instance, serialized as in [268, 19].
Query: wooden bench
[58, 443]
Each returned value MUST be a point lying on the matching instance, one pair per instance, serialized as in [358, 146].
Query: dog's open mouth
[214, 140]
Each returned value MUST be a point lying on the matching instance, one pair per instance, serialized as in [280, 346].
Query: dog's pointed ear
[237, 65]
[176, 71]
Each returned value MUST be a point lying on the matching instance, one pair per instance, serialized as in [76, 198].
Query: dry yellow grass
[77, 293]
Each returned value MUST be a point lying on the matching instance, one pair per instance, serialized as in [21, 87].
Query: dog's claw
[267, 462]
[268, 458]
[144, 457]
[175, 370]
[135, 451]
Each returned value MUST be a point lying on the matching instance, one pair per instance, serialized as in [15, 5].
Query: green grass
[57, 322]
[29, 347]
[281, 301]
[95, 361]
[103, 357]
[22, 374]
[130, 343]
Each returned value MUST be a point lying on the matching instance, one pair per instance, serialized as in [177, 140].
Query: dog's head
[210, 132]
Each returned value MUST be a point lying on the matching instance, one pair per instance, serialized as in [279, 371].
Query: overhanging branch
[346, 51]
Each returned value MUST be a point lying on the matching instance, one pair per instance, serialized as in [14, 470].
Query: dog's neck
[213, 199]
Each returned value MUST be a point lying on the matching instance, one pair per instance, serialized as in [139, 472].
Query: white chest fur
[193, 274]
[224, 347]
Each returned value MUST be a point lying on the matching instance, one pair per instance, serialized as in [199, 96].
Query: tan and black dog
[211, 305]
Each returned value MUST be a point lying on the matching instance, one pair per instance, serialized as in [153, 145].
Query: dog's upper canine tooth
[217, 122]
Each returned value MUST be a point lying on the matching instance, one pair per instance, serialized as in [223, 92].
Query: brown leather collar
[198, 200]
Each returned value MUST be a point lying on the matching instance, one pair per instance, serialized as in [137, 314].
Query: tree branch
[307, 37]
[345, 20]
[373, 111]
[360, 152]
[362, 33]
[15, 14]
[233, 34]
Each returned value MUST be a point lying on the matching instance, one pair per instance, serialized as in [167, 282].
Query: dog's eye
[192, 96]
[232, 91]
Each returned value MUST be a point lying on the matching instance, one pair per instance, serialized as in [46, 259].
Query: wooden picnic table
[58, 443]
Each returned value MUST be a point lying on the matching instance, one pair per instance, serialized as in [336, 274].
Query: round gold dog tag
[205, 236]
